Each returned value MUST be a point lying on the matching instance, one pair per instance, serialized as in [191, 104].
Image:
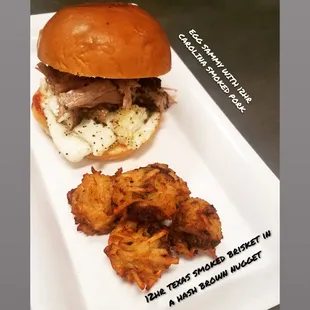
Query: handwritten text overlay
[227, 82]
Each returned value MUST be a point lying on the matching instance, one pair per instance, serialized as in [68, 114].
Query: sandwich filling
[90, 115]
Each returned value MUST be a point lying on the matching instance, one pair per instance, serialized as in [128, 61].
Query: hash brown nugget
[179, 184]
[139, 253]
[149, 194]
[91, 204]
[196, 227]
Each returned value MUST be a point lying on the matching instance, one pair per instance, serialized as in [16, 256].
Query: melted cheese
[145, 132]
[133, 127]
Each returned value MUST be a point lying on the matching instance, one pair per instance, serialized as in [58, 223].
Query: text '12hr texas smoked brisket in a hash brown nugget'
[101, 96]
[134, 207]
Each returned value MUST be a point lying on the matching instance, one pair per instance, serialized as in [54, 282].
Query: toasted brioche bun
[108, 40]
[117, 151]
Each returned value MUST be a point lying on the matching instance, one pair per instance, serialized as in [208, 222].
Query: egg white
[131, 127]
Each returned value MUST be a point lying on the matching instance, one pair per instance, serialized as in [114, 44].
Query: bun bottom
[117, 151]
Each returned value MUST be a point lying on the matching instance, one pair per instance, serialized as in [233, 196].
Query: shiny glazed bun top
[108, 40]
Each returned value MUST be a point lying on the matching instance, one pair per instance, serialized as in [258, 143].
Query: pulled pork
[93, 98]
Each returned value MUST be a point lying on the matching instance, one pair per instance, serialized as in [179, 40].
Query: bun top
[108, 40]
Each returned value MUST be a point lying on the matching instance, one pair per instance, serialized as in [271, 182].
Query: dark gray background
[295, 155]
[14, 150]
[244, 34]
[14, 137]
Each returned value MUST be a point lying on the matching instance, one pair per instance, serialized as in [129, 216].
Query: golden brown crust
[139, 253]
[149, 194]
[196, 227]
[109, 40]
[91, 204]
[140, 250]
[117, 151]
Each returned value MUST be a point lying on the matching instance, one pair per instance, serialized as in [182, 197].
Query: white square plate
[70, 271]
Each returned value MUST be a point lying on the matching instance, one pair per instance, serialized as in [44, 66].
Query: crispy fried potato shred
[133, 207]
[196, 228]
[149, 194]
[139, 253]
[91, 204]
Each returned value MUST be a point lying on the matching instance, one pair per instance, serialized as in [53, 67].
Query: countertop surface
[244, 36]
